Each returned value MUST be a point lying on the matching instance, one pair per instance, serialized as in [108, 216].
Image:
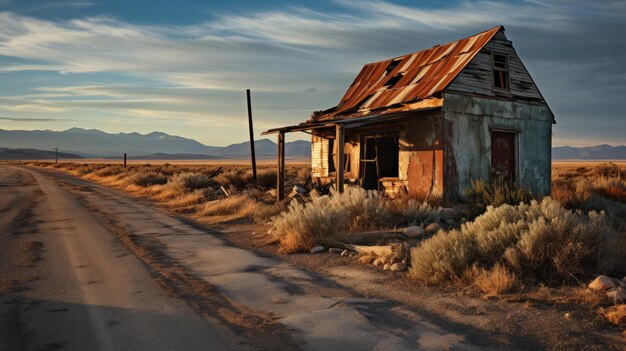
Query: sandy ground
[67, 283]
[260, 299]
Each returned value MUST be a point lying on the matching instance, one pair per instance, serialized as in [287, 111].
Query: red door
[503, 156]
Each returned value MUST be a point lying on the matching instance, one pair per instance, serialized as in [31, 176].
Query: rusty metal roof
[396, 83]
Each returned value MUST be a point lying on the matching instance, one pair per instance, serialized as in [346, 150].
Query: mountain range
[598, 152]
[93, 143]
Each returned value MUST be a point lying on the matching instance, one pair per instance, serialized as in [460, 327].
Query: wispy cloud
[297, 60]
[25, 119]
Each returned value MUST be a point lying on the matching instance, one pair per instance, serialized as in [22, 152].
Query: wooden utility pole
[251, 136]
[339, 168]
[280, 181]
[124, 160]
[56, 155]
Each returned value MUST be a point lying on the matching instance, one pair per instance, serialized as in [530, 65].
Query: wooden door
[503, 156]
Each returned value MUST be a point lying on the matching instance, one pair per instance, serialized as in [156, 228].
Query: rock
[378, 262]
[335, 250]
[433, 228]
[398, 267]
[602, 283]
[413, 231]
[271, 192]
[317, 249]
[568, 315]
[345, 253]
[299, 189]
[387, 266]
[617, 295]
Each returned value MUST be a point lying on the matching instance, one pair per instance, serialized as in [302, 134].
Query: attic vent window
[500, 66]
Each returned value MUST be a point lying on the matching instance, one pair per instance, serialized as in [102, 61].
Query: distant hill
[93, 143]
[33, 154]
[599, 152]
[162, 156]
[266, 148]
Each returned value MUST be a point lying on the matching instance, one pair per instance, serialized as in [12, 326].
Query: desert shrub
[84, 169]
[324, 217]
[482, 194]
[303, 174]
[415, 212]
[237, 177]
[109, 171]
[148, 178]
[540, 240]
[191, 181]
[266, 178]
[496, 281]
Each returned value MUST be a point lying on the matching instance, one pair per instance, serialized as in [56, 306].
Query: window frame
[506, 71]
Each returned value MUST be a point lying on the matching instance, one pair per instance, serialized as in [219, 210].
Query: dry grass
[616, 314]
[491, 282]
[599, 188]
[190, 189]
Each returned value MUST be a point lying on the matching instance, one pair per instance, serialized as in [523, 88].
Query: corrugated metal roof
[392, 83]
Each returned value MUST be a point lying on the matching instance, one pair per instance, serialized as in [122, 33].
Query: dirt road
[67, 282]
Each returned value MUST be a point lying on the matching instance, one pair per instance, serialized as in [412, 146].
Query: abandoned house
[432, 121]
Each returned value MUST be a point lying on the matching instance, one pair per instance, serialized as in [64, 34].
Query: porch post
[340, 140]
[280, 182]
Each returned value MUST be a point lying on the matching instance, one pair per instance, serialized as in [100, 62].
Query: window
[500, 67]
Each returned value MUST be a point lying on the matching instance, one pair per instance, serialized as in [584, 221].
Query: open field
[523, 272]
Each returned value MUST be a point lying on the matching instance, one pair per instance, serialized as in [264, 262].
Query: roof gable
[407, 79]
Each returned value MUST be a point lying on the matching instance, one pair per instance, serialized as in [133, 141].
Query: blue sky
[182, 67]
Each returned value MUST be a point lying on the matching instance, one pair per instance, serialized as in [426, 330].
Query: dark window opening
[500, 67]
[332, 158]
[500, 79]
[379, 159]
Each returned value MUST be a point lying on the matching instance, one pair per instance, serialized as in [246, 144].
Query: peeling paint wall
[420, 159]
[468, 122]
[319, 156]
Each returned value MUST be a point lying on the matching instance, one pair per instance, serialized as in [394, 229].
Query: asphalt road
[67, 283]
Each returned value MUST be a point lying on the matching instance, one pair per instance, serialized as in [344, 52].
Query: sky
[182, 67]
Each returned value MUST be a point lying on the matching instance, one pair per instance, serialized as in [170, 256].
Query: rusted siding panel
[476, 77]
[468, 123]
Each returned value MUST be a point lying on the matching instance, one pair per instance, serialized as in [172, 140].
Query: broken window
[379, 159]
[500, 66]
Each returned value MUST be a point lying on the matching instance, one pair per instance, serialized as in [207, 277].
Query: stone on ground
[387, 266]
[317, 249]
[433, 228]
[398, 267]
[602, 283]
[413, 231]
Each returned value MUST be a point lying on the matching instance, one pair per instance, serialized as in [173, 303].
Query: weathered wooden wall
[477, 76]
[420, 159]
